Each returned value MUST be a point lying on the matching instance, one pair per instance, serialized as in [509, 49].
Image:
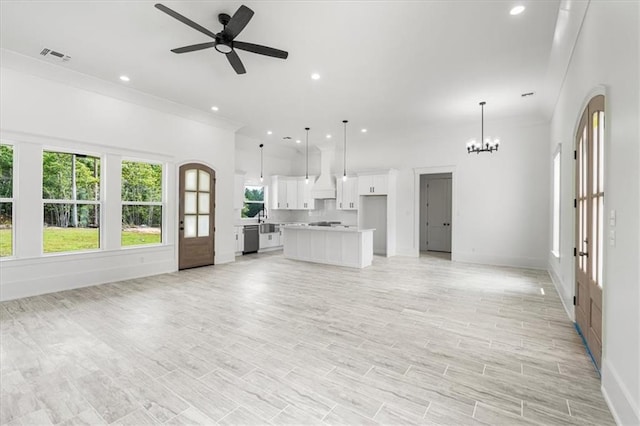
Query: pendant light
[261, 162]
[306, 180]
[485, 145]
[344, 173]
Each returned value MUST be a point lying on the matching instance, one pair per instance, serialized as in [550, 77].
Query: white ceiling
[384, 65]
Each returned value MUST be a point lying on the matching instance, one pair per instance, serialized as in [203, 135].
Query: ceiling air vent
[49, 52]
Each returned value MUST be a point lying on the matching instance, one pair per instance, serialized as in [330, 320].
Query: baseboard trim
[483, 259]
[53, 284]
[560, 289]
[225, 258]
[623, 409]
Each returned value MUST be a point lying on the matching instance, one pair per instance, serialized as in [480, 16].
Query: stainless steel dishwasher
[251, 239]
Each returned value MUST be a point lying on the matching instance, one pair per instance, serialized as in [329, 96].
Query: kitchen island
[338, 245]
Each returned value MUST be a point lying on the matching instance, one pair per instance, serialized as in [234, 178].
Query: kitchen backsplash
[325, 210]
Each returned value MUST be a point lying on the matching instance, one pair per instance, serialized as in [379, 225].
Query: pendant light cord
[261, 161]
[307, 172]
[482, 126]
[345, 148]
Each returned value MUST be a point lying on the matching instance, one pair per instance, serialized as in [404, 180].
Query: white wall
[606, 61]
[500, 199]
[37, 113]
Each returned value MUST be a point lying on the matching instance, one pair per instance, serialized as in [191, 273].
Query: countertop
[326, 228]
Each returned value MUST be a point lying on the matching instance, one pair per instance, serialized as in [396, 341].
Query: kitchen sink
[267, 228]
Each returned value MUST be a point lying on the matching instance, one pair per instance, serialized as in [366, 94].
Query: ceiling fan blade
[238, 21]
[194, 47]
[235, 62]
[261, 50]
[185, 20]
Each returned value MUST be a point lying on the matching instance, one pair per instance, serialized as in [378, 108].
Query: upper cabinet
[377, 184]
[238, 192]
[305, 201]
[291, 193]
[347, 193]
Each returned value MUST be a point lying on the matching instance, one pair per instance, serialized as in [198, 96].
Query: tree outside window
[253, 201]
[71, 200]
[141, 203]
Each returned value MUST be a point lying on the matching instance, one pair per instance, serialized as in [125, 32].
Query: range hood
[325, 185]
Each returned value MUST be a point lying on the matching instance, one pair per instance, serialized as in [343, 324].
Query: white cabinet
[291, 193]
[278, 191]
[305, 201]
[373, 184]
[347, 193]
[238, 192]
[239, 238]
[269, 240]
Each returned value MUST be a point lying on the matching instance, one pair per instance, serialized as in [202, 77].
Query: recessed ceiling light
[298, 141]
[315, 76]
[328, 136]
[364, 130]
[517, 10]
[269, 132]
[214, 108]
[124, 78]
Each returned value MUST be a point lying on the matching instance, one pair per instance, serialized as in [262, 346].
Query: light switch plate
[612, 218]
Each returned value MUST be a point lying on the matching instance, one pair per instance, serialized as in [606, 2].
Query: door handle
[583, 253]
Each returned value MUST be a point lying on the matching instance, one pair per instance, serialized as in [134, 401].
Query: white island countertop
[332, 245]
[338, 228]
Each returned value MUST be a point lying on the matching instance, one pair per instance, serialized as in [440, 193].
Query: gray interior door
[439, 215]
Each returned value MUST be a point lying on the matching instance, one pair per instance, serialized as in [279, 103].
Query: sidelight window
[555, 248]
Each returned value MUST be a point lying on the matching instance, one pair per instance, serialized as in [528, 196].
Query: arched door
[196, 239]
[589, 206]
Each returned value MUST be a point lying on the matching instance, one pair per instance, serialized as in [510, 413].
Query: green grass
[6, 242]
[70, 239]
[58, 240]
[147, 236]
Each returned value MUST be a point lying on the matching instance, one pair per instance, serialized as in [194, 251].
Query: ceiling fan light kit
[485, 144]
[225, 41]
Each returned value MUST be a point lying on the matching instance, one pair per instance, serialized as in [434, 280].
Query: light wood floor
[270, 340]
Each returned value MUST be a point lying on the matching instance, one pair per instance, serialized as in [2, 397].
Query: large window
[71, 199]
[141, 203]
[6, 200]
[555, 247]
[253, 201]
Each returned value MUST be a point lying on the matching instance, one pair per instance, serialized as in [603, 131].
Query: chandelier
[485, 144]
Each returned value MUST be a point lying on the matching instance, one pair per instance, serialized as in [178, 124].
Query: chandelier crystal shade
[487, 144]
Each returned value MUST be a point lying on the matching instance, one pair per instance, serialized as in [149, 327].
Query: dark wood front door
[590, 225]
[196, 216]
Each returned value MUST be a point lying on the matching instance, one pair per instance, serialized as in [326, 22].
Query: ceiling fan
[224, 41]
